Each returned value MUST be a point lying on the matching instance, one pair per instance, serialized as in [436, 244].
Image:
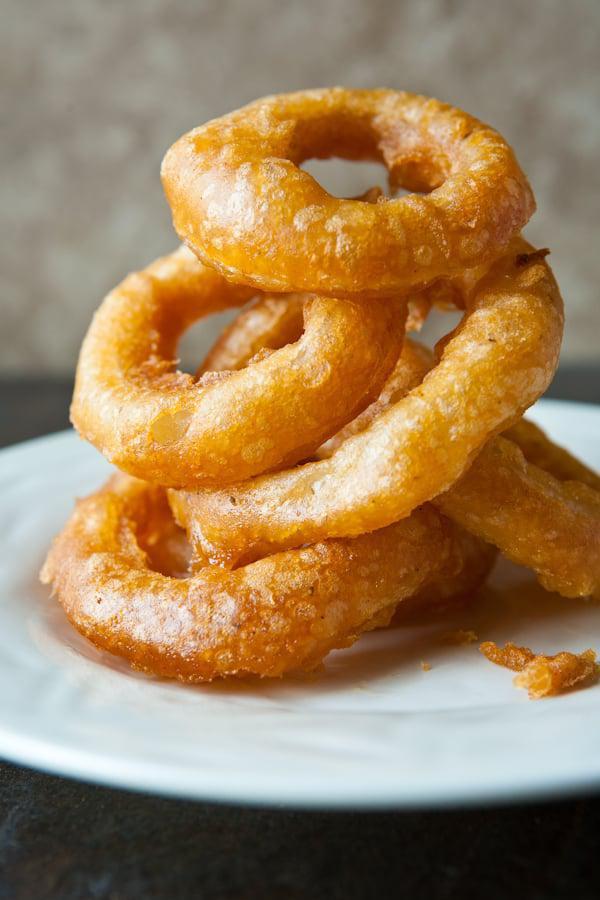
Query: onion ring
[498, 361]
[503, 497]
[157, 423]
[537, 520]
[242, 204]
[282, 613]
[512, 491]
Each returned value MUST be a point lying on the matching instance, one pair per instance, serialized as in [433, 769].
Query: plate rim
[149, 779]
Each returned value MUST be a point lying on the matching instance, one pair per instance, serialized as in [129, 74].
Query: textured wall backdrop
[94, 92]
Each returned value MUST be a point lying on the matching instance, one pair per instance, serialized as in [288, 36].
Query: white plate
[372, 730]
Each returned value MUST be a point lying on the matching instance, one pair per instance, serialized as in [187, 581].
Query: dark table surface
[65, 840]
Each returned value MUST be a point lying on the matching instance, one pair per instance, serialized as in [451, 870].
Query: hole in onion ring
[195, 343]
[348, 178]
[354, 179]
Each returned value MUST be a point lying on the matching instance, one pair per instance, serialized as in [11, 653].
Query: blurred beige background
[94, 92]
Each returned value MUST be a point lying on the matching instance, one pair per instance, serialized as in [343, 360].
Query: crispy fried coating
[541, 675]
[158, 423]
[241, 202]
[282, 613]
[551, 526]
[498, 361]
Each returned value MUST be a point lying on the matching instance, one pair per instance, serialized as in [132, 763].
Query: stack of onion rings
[321, 470]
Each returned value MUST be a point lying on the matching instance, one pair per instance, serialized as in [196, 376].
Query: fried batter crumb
[544, 676]
[460, 636]
[425, 666]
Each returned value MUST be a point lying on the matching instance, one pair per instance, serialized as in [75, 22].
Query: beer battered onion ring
[157, 423]
[285, 612]
[534, 517]
[504, 497]
[269, 323]
[525, 495]
[241, 203]
[497, 362]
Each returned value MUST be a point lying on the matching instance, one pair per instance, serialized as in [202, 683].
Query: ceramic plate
[371, 730]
